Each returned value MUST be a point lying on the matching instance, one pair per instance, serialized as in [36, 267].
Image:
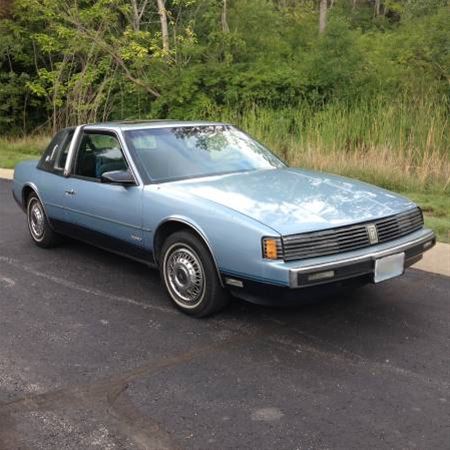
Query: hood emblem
[372, 233]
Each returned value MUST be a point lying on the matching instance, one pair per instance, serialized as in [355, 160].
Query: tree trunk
[5, 8]
[135, 15]
[225, 27]
[138, 11]
[164, 29]
[323, 9]
[377, 8]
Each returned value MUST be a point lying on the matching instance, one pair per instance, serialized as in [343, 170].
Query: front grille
[349, 238]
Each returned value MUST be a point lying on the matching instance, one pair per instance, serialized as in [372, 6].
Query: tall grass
[402, 145]
[13, 150]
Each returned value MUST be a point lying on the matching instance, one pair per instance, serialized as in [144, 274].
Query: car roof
[143, 124]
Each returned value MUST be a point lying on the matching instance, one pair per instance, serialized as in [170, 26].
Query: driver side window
[98, 153]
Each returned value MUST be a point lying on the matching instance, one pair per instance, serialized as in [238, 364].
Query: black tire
[189, 275]
[40, 231]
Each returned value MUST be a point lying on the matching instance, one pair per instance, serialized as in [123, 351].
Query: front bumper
[360, 264]
[292, 281]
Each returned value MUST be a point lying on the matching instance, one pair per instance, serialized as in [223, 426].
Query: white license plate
[389, 267]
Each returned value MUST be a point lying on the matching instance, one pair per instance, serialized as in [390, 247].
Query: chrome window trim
[128, 157]
[57, 169]
[174, 124]
[97, 130]
[73, 147]
[52, 154]
[293, 273]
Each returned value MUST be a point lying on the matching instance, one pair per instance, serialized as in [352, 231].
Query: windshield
[167, 154]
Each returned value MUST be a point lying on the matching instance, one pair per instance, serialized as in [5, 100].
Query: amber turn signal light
[271, 248]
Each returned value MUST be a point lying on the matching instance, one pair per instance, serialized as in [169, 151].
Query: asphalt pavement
[93, 356]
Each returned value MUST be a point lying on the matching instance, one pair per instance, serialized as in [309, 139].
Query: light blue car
[216, 212]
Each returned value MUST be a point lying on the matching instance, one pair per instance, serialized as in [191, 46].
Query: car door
[108, 215]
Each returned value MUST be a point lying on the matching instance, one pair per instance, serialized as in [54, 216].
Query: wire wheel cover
[36, 219]
[184, 275]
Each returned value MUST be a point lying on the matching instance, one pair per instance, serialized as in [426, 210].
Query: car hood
[295, 201]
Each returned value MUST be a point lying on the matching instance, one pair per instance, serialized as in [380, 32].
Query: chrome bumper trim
[293, 273]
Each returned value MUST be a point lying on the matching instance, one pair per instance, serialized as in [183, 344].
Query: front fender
[233, 238]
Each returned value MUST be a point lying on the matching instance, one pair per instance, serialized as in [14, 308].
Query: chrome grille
[349, 238]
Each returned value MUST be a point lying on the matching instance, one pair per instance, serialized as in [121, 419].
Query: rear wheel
[38, 226]
[190, 277]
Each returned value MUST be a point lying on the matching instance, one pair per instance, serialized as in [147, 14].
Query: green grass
[13, 151]
[436, 209]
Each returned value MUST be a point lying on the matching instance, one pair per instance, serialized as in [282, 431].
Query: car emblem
[373, 233]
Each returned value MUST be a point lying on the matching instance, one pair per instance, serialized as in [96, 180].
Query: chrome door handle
[69, 192]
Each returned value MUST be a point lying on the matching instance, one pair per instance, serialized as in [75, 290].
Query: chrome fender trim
[36, 191]
[198, 231]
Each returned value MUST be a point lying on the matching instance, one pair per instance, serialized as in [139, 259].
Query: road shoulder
[437, 260]
[6, 174]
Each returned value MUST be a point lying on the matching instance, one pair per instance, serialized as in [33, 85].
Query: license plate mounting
[389, 267]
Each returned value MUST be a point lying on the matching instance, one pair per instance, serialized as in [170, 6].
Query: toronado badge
[373, 233]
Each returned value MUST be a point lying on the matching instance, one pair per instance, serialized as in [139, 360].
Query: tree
[5, 8]
[223, 18]
[377, 7]
[323, 10]
[64, 62]
[138, 11]
[164, 28]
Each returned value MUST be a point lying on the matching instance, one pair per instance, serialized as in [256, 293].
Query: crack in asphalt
[100, 386]
[145, 432]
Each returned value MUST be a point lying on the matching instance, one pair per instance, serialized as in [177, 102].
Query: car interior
[99, 154]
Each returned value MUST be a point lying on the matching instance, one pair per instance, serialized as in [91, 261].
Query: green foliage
[436, 209]
[369, 79]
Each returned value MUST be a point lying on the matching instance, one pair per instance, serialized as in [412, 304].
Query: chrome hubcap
[185, 275]
[36, 219]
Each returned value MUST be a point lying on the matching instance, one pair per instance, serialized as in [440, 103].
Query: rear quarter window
[56, 152]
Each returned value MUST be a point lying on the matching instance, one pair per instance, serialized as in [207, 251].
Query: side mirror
[122, 177]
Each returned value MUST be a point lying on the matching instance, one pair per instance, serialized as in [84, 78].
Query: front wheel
[189, 275]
